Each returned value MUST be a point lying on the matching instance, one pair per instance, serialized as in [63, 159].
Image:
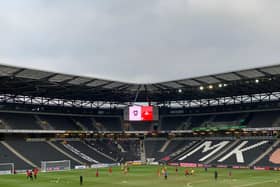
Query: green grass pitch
[146, 176]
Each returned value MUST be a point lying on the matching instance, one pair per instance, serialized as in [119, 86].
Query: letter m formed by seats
[206, 147]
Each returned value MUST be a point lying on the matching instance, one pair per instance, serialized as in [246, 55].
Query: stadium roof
[38, 83]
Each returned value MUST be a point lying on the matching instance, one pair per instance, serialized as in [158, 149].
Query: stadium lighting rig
[210, 87]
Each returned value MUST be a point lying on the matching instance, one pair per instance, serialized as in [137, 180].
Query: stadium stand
[49, 122]
[250, 150]
[141, 126]
[86, 149]
[197, 121]
[39, 151]
[60, 122]
[131, 149]
[249, 119]
[221, 120]
[19, 121]
[177, 146]
[6, 156]
[153, 147]
[214, 120]
[173, 123]
[203, 151]
[87, 122]
[109, 123]
[76, 154]
[271, 158]
[264, 119]
[107, 146]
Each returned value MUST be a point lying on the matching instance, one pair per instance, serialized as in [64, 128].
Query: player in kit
[35, 171]
[97, 173]
[187, 172]
[216, 175]
[165, 175]
[110, 170]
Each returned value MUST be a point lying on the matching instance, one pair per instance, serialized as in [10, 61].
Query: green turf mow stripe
[256, 183]
[146, 176]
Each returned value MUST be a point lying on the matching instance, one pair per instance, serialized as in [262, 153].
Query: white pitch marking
[252, 184]
[196, 182]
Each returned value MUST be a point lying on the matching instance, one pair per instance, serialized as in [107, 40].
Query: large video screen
[141, 113]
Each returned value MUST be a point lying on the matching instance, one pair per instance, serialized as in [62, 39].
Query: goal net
[47, 166]
[7, 168]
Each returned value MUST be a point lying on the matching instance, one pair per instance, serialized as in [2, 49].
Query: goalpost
[7, 168]
[63, 165]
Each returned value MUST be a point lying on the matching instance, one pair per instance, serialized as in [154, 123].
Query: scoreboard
[141, 113]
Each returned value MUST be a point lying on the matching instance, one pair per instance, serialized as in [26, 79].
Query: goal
[63, 165]
[7, 168]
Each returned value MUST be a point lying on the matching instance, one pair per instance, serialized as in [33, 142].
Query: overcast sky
[140, 40]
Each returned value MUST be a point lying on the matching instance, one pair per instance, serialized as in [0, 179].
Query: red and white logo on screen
[141, 113]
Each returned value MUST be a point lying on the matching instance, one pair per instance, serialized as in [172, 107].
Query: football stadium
[152, 93]
[66, 128]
